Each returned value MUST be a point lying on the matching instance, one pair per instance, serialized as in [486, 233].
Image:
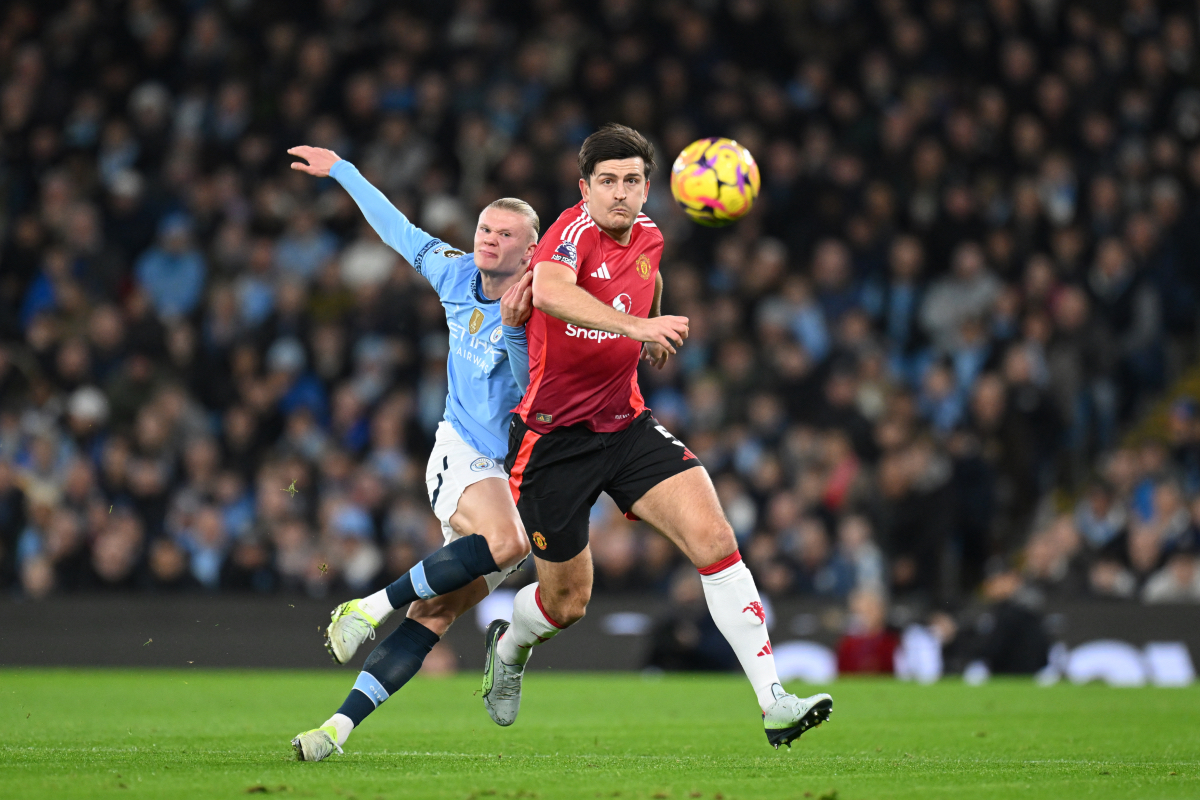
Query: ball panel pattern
[715, 181]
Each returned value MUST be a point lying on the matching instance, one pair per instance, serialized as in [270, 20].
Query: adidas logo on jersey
[602, 272]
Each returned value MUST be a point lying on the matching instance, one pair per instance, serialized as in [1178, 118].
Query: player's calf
[391, 665]
[447, 570]
[531, 625]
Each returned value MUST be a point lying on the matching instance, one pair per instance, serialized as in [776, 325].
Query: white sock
[343, 724]
[735, 606]
[530, 627]
[377, 606]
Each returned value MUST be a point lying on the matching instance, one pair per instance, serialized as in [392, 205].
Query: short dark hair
[612, 142]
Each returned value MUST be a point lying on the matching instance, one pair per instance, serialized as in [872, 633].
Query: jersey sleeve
[429, 256]
[569, 244]
[518, 354]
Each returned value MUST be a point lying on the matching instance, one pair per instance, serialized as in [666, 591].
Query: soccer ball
[715, 181]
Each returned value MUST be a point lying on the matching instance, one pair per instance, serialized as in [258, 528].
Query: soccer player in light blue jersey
[487, 297]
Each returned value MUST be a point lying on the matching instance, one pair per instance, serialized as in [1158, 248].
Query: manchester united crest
[539, 540]
[643, 266]
[476, 322]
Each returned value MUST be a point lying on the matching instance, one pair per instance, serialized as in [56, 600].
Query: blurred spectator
[1008, 636]
[1177, 582]
[1099, 516]
[868, 646]
[966, 279]
[967, 293]
[172, 273]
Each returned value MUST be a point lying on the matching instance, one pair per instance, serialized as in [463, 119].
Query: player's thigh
[454, 468]
[663, 482]
[486, 506]
[685, 509]
[555, 478]
[439, 613]
[565, 587]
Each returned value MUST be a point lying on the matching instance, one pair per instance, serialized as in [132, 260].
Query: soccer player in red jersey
[582, 428]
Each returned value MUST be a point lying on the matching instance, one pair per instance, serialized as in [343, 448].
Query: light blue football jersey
[482, 378]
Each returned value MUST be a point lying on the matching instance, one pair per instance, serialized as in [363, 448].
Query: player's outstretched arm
[555, 293]
[387, 220]
[515, 307]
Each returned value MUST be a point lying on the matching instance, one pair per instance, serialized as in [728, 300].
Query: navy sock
[391, 665]
[357, 705]
[452, 567]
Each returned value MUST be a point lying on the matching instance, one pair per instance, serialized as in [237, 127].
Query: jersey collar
[478, 292]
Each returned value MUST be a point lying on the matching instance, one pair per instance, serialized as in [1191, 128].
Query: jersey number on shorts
[668, 434]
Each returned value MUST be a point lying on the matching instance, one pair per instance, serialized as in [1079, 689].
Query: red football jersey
[578, 375]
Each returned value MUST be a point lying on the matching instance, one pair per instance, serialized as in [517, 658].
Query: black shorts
[556, 477]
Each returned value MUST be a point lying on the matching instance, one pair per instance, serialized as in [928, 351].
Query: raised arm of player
[555, 292]
[387, 220]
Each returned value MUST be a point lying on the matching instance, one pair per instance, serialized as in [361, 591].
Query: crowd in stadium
[970, 272]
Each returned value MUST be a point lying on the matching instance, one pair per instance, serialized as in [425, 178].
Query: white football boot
[317, 744]
[349, 627]
[789, 716]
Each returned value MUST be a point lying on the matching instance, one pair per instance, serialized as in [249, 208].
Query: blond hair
[519, 206]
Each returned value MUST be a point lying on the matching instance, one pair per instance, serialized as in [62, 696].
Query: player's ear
[583, 189]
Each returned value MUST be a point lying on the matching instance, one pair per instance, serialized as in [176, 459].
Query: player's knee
[508, 543]
[574, 613]
[565, 607]
[717, 542]
[569, 607]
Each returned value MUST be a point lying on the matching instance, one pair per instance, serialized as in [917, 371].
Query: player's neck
[494, 286]
[621, 237]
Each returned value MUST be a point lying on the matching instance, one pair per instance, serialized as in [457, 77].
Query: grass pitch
[185, 734]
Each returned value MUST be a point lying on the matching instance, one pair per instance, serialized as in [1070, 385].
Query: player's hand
[667, 332]
[319, 160]
[517, 303]
[656, 354]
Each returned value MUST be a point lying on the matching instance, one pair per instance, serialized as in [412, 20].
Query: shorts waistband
[580, 430]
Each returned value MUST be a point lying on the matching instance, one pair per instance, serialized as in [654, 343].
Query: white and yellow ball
[715, 181]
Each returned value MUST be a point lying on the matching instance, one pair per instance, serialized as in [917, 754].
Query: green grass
[184, 734]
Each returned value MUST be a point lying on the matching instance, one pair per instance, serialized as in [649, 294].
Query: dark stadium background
[949, 359]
